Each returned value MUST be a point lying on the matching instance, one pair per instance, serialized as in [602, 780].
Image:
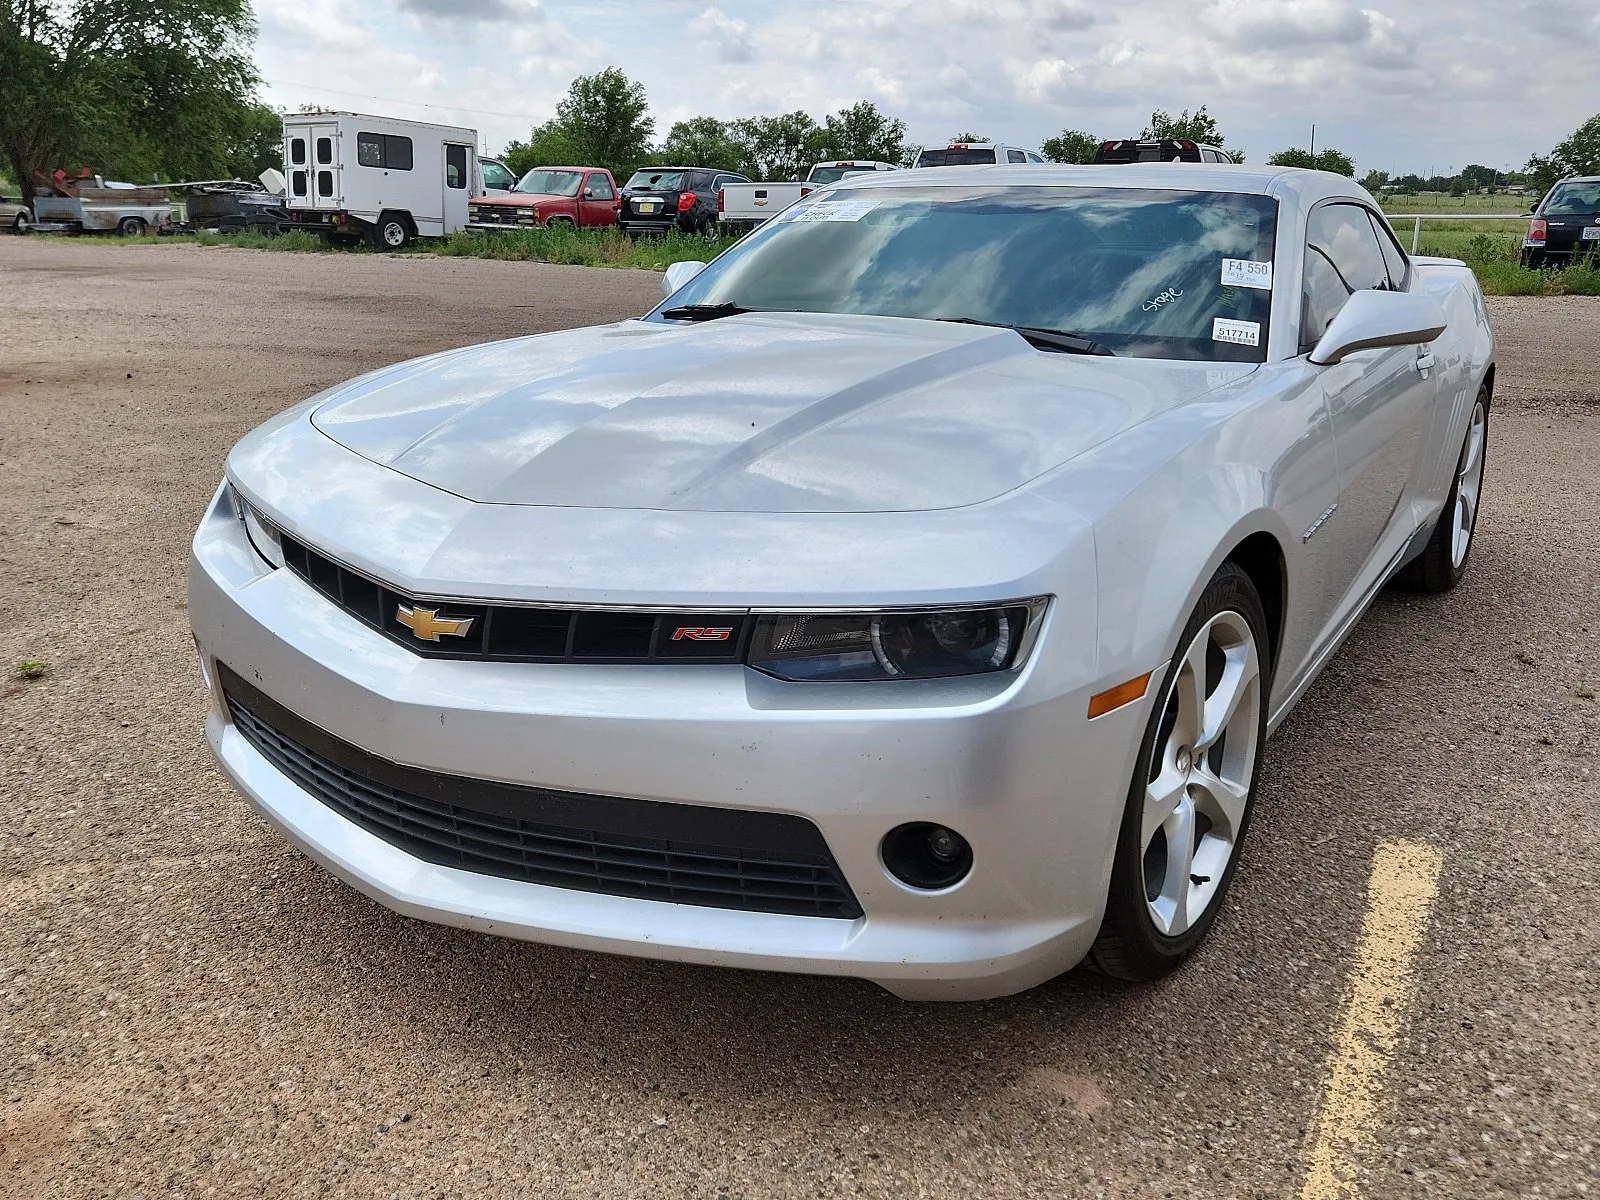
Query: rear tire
[391, 232]
[20, 225]
[130, 227]
[1443, 560]
[1193, 787]
[564, 224]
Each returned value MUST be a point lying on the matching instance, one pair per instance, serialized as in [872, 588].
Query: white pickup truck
[752, 203]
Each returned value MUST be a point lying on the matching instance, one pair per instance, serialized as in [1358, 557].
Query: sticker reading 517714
[1237, 333]
[1243, 272]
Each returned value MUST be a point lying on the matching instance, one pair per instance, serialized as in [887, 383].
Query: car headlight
[262, 534]
[933, 644]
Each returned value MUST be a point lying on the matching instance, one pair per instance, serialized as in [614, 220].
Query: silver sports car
[909, 596]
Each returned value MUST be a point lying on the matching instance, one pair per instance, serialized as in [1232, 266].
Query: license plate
[1591, 233]
[647, 208]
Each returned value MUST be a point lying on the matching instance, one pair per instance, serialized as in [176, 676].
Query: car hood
[757, 413]
[518, 199]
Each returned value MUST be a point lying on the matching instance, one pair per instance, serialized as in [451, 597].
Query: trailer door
[325, 185]
[459, 172]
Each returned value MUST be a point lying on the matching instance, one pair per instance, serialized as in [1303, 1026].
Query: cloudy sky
[1401, 85]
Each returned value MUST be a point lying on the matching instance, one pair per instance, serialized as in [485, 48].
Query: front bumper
[1009, 762]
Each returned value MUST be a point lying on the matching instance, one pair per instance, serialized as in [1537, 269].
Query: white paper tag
[1242, 272]
[1238, 333]
[835, 210]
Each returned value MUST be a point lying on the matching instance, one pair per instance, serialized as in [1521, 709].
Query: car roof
[1303, 185]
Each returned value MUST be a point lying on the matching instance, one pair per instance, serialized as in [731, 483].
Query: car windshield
[821, 175]
[496, 176]
[543, 182]
[1157, 274]
[1572, 200]
[656, 181]
[956, 158]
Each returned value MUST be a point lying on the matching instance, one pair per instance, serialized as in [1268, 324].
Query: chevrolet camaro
[909, 596]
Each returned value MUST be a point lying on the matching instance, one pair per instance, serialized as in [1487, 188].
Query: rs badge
[699, 633]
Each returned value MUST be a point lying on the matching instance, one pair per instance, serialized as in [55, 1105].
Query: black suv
[1566, 225]
[1129, 150]
[661, 199]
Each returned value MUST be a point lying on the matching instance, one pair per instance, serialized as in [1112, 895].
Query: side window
[297, 151]
[380, 150]
[600, 188]
[1016, 156]
[1393, 257]
[324, 151]
[1342, 257]
[298, 182]
[455, 166]
[1035, 158]
[696, 181]
[324, 183]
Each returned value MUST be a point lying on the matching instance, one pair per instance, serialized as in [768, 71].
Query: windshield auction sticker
[835, 210]
[1238, 333]
[1241, 272]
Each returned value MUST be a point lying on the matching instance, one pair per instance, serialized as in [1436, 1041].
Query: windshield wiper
[1042, 339]
[705, 312]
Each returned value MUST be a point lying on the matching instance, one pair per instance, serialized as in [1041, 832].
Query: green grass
[1440, 202]
[586, 248]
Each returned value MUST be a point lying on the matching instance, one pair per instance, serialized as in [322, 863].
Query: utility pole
[1313, 146]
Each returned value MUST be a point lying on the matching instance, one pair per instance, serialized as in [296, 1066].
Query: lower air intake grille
[645, 849]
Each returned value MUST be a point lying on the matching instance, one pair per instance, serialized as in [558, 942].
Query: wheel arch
[1260, 555]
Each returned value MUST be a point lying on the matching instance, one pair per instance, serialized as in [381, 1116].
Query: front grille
[513, 633]
[501, 214]
[644, 849]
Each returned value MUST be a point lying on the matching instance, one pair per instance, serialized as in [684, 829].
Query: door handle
[1424, 360]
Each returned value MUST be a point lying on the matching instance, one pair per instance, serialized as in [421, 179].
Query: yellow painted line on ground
[1400, 895]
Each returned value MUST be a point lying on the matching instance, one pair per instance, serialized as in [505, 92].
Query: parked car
[1132, 150]
[1566, 224]
[846, 615]
[973, 154]
[750, 204]
[498, 178]
[354, 175]
[571, 196]
[831, 172]
[661, 199]
[14, 215]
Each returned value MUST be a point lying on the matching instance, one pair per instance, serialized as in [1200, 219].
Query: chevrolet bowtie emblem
[427, 624]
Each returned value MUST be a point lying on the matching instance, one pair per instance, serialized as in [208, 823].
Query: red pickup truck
[583, 197]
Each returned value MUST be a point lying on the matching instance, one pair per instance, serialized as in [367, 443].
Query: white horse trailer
[353, 175]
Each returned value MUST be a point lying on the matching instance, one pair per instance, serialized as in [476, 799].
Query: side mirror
[1371, 319]
[588, 193]
[678, 274]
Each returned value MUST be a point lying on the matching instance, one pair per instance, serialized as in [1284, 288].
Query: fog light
[925, 856]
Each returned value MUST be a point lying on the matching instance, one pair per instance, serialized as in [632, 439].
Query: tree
[1374, 180]
[969, 137]
[134, 88]
[781, 147]
[863, 131]
[1201, 127]
[603, 121]
[1578, 155]
[1476, 175]
[1072, 146]
[703, 142]
[1336, 161]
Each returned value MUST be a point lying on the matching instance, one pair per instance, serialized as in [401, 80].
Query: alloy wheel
[1469, 486]
[1200, 772]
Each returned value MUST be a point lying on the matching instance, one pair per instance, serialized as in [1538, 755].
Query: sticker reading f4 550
[1242, 272]
[1238, 333]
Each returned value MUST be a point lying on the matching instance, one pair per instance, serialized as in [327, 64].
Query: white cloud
[1399, 84]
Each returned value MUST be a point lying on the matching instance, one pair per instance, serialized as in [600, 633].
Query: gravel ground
[191, 1008]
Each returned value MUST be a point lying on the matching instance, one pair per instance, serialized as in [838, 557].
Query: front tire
[1443, 560]
[20, 225]
[1193, 789]
[130, 227]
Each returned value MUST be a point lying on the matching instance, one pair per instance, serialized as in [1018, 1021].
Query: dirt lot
[191, 1008]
